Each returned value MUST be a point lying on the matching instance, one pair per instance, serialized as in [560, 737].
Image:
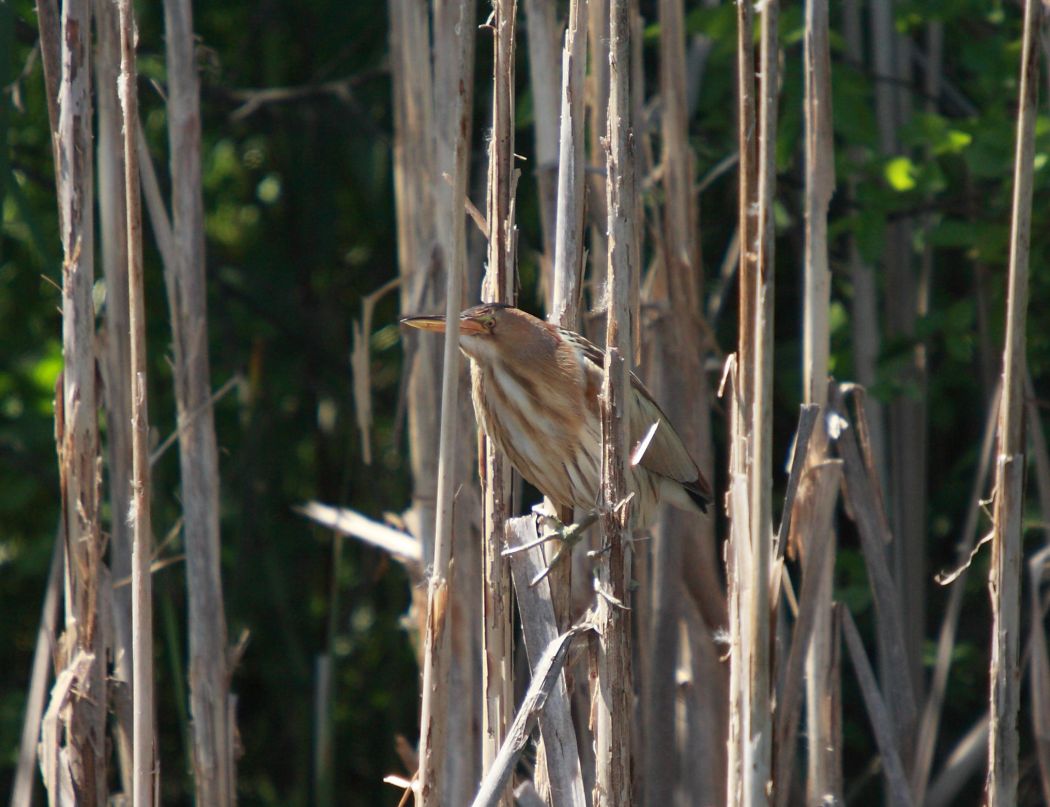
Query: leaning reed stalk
[614, 693]
[141, 548]
[1005, 574]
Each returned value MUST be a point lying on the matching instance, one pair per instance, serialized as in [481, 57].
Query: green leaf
[900, 172]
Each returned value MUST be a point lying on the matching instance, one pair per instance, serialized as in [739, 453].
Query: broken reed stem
[1004, 579]
[498, 286]
[141, 547]
[76, 756]
[539, 628]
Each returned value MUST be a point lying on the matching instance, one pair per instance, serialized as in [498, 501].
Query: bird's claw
[568, 534]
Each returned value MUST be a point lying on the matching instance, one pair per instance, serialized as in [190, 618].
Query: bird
[535, 389]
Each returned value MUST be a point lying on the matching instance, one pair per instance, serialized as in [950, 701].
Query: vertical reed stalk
[453, 67]
[1005, 574]
[210, 700]
[498, 286]
[141, 549]
[542, 39]
[73, 761]
[758, 745]
[822, 758]
[614, 693]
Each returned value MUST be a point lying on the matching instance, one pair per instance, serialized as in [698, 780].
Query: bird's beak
[425, 322]
[435, 323]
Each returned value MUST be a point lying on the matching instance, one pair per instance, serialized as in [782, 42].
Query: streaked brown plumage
[535, 389]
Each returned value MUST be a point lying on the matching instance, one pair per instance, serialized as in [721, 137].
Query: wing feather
[666, 455]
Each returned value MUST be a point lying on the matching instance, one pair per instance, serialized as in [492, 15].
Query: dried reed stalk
[928, 726]
[23, 787]
[823, 758]
[499, 286]
[1005, 574]
[544, 679]
[144, 783]
[115, 349]
[614, 691]
[568, 238]
[72, 759]
[454, 29]
[885, 731]
[756, 754]
[211, 704]
[862, 493]
[545, 79]
[684, 547]
[739, 379]
[539, 627]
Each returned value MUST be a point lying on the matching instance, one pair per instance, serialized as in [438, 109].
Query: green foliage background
[300, 226]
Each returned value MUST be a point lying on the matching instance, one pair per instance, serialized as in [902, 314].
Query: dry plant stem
[539, 628]
[50, 50]
[498, 286]
[568, 238]
[813, 600]
[24, 779]
[114, 347]
[741, 384]
[683, 548]
[437, 661]
[885, 734]
[1005, 574]
[758, 732]
[76, 764]
[210, 704]
[614, 693]
[864, 500]
[931, 716]
[564, 309]
[142, 539]
[820, 181]
[542, 40]
[415, 185]
[545, 677]
[864, 312]
[1039, 667]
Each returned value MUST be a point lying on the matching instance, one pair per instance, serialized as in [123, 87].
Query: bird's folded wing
[666, 454]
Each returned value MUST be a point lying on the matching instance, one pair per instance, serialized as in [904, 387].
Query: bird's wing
[665, 455]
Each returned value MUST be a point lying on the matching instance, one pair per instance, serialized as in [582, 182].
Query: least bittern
[535, 389]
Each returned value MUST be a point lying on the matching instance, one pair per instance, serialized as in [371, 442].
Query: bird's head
[491, 332]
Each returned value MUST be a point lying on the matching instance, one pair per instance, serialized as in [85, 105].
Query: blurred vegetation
[300, 226]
